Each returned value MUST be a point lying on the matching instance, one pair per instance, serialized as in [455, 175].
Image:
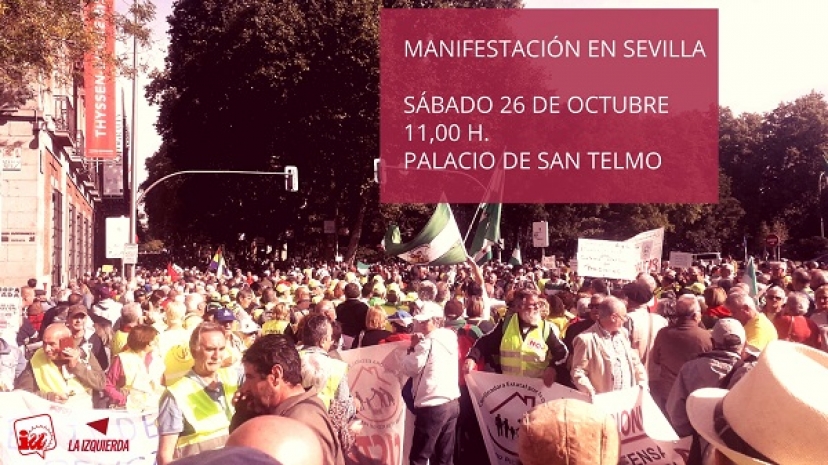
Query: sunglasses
[775, 297]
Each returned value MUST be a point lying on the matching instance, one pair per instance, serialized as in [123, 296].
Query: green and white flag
[750, 277]
[487, 234]
[439, 243]
[516, 259]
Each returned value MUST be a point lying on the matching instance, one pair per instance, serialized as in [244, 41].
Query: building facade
[49, 190]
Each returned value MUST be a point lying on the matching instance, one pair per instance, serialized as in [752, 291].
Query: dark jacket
[673, 347]
[351, 315]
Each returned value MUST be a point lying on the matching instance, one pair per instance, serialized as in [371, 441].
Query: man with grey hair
[603, 359]
[681, 341]
[427, 291]
[432, 363]
[759, 330]
[706, 370]
[792, 324]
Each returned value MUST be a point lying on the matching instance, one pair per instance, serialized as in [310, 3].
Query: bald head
[56, 331]
[284, 439]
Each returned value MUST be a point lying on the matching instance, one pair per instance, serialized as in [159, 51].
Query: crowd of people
[252, 362]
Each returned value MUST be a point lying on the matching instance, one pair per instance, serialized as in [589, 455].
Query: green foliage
[42, 37]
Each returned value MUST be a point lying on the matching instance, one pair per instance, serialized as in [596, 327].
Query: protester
[134, 379]
[195, 411]
[522, 344]
[792, 325]
[676, 344]
[774, 414]
[642, 325]
[758, 329]
[603, 359]
[351, 314]
[273, 386]
[62, 372]
[374, 331]
[432, 363]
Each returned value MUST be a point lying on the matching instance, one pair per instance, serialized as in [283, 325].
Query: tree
[259, 85]
[50, 37]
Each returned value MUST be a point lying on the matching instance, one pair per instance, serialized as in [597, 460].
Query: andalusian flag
[488, 233]
[516, 260]
[750, 276]
[439, 243]
[217, 265]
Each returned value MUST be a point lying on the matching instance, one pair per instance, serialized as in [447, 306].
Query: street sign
[771, 240]
[540, 234]
[130, 254]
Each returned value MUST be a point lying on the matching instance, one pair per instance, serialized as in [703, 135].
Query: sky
[770, 52]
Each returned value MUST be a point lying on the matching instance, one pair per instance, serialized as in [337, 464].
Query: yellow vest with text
[208, 418]
[337, 370]
[527, 356]
[50, 378]
[275, 327]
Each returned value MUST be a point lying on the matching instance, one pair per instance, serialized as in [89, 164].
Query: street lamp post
[819, 205]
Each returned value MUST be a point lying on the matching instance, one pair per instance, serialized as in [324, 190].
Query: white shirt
[435, 369]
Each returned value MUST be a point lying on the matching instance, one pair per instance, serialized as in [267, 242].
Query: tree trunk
[356, 231]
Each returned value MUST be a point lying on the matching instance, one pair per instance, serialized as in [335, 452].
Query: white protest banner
[36, 431]
[646, 436]
[500, 402]
[648, 246]
[374, 382]
[606, 259]
[681, 260]
[549, 262]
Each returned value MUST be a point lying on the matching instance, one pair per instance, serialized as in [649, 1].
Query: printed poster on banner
[375, 384]
[36, 431]
[648, 246]
[606, 259]
[500, 402]
[548, 262]
[646, 435]
[11, 306]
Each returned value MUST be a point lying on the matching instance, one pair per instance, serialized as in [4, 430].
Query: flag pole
[471, 225]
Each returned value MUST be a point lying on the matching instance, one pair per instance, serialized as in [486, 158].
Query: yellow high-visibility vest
[209, 419]
[50, 378]
[337, 370]
[527, 356]
[144, 383]
[275, 327]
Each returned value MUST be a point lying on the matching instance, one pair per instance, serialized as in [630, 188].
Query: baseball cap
[728, 332]
[401, 317]
[249, 327]
[224, 315]
[76, 310]
[429, 310]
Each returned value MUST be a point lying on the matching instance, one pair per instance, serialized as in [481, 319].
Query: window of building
[57, 238]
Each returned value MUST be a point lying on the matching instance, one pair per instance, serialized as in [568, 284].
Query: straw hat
[779, 409]
[568, 432]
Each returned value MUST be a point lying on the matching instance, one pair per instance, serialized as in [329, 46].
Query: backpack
[466, 337]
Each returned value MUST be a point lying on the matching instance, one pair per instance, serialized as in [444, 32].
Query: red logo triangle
[100, 425]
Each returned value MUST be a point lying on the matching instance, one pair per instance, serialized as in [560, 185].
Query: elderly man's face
[529, 310]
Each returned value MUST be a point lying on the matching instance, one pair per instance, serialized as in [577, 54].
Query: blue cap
[401, 317]
[224, 315]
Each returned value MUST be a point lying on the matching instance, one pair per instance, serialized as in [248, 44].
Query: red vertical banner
[99, 83]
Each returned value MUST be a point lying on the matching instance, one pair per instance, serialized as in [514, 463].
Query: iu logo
[35, 435]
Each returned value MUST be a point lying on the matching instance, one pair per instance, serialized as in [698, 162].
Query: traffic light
[291, 179]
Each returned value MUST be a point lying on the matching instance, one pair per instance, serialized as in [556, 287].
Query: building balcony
[76, 154]
[66, 128]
